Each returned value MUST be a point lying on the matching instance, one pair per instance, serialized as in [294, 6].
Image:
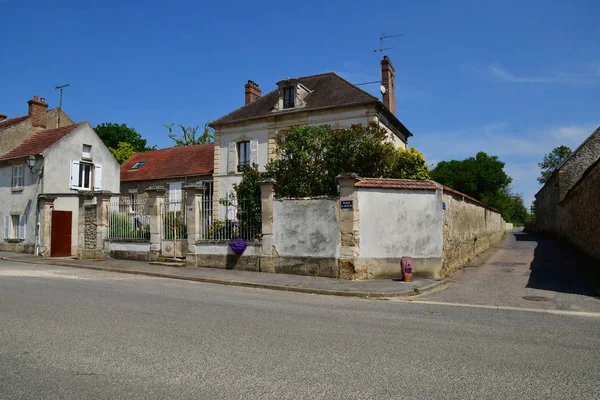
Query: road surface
[77, 334]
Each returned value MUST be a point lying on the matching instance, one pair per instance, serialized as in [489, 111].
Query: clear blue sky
[512, 78]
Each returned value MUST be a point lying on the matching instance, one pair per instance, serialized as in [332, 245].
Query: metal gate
[173, 228]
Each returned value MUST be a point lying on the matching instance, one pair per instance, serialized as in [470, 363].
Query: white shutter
[97, 177]
[6, 226]
[253, 151]
[22, 226]
[74, 174]
[231, 157]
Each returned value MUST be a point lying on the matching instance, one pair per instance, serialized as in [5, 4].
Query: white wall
[58, 158]
[400, 223]
[306, 228]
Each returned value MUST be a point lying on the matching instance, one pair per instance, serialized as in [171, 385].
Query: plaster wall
[397, 223]
[57, 161]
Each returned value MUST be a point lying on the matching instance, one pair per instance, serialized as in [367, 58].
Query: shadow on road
[558, 267]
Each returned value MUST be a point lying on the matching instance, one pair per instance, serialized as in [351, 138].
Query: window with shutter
[17, 176]
[231, 157]
[22, 226]
[6, 227]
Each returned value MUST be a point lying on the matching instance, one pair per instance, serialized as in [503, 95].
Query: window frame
[247, 159]
[81, 177]
[289, 97]
[22, 176]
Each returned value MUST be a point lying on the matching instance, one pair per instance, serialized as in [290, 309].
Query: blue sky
[511, 78]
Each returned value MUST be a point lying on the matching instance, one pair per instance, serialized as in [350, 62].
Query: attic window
[288, 97]
[138, 164]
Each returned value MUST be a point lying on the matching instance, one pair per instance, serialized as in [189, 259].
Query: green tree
[189, 134]
[533, 209]
[248, 201]
[112, 134]
[552, 161]
[310, 158]
[123, 151]
[481, 176]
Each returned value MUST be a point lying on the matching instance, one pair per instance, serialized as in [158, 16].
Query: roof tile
[40, 142]
[8, 122]
[169, 163]
[404, 184]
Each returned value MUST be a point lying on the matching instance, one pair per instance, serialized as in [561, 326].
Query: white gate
[173, 228]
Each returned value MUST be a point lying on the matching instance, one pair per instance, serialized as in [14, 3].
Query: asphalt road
[75, 334]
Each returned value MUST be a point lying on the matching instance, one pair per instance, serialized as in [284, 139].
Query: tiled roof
[406, 184]
[327, 90]
[12, 121]
[40, 142]
[169, 163]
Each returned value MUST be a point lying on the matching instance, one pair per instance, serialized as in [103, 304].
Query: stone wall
[579, 213]
[469, 229]
[568, 174]
[91, 226]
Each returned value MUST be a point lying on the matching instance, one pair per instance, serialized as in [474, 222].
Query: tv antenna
[61, 87]
[381, 40]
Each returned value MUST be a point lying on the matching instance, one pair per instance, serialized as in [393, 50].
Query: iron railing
[128, 219]
[236, 218]
[174, 223]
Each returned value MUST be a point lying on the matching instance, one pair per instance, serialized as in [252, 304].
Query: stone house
[247, 135]
[171, 168]
[562, 180]
[14, 131]
[42, 181]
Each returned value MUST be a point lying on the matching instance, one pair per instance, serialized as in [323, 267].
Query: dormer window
[288, 97]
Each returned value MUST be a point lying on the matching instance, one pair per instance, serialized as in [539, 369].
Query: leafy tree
[312, 156]
[112, 134]
[552, 161]
[122, 152]
[188, 135]
[481, 176]
[533, 209]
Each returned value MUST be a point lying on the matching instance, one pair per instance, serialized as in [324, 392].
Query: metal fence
[126, 221]
[239, 218]
[174, 223]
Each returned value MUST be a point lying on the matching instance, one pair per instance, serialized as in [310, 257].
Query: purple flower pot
[238, 246]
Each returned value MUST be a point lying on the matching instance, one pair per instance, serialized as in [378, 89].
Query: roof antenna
[60, 105]
[381, 40]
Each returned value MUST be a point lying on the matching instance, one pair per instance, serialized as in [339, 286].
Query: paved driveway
[525, 271]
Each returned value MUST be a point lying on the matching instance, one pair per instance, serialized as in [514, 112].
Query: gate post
[85, 201]
[156, 199]
[349, 227]
[102, 205]
[267, 196]
[45, 222]
[194, 194]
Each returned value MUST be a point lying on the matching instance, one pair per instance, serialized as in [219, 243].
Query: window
[288, 97]
[14, 227]
[243, 154]
[133, 200]
[17, 176]
[85, 176]
[87, 151]
[138, 164]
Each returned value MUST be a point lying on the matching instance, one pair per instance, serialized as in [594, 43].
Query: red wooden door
[60, 244]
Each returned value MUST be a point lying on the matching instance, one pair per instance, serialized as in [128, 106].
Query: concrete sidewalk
[291, 283]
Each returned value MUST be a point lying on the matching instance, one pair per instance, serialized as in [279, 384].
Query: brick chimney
[37, 112]
[252, 91]
[388, 80]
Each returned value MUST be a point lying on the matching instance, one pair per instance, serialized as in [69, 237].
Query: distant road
[78, 334]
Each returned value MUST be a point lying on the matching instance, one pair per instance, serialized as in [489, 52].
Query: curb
[342, 293]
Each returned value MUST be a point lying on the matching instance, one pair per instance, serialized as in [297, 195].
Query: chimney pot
[43, 99]
[35, 98]
[252, 92]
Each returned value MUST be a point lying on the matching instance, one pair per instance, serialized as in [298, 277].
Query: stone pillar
[85, 200]
[194, 195]
[46, 204]
[267, 197]
[156, 199]
[349, 226]
[102, 212]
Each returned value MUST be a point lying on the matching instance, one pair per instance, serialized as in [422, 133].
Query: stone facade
[91, 226]
[579, 213]
[563, 179]
[469, 229]
[142, 186]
